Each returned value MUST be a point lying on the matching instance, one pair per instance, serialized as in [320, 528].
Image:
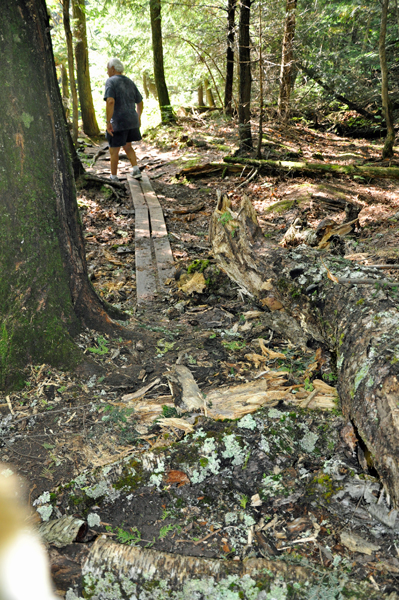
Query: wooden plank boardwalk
[153, 254]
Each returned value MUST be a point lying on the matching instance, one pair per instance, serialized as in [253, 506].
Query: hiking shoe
[136, 173]
[113, 178]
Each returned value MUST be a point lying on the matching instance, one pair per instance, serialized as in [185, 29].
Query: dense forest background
[322, 57]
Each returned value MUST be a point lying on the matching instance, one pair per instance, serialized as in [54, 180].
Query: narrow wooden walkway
[153, 254]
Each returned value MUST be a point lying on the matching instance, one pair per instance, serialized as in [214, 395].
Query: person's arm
[139, 109]
[110, 105]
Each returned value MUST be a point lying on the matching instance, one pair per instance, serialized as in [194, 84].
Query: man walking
[123, 120]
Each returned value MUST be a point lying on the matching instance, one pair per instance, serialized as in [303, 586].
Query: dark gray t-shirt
[126, 96]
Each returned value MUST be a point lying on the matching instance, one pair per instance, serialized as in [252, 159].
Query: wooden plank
[164, 256]
[146, 284]
[159, 232]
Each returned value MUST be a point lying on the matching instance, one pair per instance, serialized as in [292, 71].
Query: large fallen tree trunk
[313, 293]
[317, 168]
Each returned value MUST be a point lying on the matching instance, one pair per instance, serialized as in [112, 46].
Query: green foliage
[169, 411]
[130, 538]
[199, 265]
[102, 346]
[235, 345]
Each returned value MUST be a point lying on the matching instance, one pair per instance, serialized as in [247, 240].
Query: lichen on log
[325, 298]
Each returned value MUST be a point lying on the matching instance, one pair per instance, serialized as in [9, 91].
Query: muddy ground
[288, 483]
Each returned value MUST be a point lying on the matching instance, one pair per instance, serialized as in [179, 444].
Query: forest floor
[288, 482]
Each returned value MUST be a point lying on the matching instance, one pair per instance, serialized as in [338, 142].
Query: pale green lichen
[264, 445]
[233, 450]
[274, 413]
[98, 490]
[209, 462]
[308, 442]
[93, 520]
[360, 375]
[45, 511]
[247, 422]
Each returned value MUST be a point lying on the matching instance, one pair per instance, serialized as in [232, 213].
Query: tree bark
[358, 323]
[228, 90]
[244, 106]
[352, 105]
[71, 68]
[90, 126]
[45, 294]
[208, 93]
[200, 94]
[167, 114]
[387, 151]
[317, 168]
[287, 58]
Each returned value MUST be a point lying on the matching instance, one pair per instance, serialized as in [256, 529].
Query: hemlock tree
[90, 126]
[167, 115]
[287, 58]
[45, 294]
[387, 151]
[228, 89]
[71, 67]
[244, 106]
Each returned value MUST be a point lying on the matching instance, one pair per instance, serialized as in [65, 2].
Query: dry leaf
[195, 284]
[269, 353]
[177, 423]
[272, 303]
[329, 274]
[177, 477]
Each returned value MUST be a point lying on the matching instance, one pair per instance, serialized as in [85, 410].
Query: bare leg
[130, 153]
[114, 155]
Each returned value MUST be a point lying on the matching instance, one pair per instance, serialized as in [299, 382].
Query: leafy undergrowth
[283, 483]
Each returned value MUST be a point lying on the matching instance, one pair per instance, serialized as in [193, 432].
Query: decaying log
[271, 166]
[138, 564]
[318, 293]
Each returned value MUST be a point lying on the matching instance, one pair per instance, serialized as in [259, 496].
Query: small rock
[140, 345]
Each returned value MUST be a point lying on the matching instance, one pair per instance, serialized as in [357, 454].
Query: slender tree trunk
[167, 114]
[65, 89]
[387, 151]
[200, 95]
[228, 90]
[259, 145]
[71, 68]
[244, 107]
[208, 92]
[45, 294]
[90, 126]
[287, 59]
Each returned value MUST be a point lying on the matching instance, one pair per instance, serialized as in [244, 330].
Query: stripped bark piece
[139, 564]
[141, 392]
[64, 531]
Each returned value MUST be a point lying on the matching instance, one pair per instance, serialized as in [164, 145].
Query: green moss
[133, 477]
[360, 302]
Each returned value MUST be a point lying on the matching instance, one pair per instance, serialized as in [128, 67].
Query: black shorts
[120, 138]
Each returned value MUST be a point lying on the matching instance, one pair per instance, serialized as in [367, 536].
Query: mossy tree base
[45, 294]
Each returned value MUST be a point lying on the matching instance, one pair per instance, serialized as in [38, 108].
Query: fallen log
[321, 296]
[296, 167]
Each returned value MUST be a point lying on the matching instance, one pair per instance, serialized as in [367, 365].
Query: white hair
[115, 62]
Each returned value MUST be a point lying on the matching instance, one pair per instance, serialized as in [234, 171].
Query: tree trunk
[45, 294]
[287, 58]
[209, 95]
[167, 114]
[200, 95]
[244, 106]
[90, 126]
[387, 151]
[228, 90]
[71, 69]
[316, 168]
[358, 323]
[65, 89]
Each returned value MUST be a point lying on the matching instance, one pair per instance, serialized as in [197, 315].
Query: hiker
[124, 105]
